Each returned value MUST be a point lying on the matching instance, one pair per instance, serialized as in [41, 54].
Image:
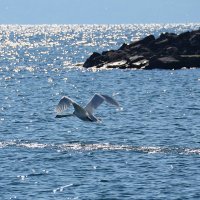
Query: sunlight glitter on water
[67, 45]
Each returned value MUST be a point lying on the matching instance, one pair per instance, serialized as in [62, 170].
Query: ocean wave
[80, 147]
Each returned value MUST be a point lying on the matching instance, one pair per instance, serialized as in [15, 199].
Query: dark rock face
[168, 51]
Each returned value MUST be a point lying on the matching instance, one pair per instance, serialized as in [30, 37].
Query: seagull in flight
[85, 114]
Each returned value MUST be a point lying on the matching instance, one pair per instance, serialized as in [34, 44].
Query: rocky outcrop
[168, 51]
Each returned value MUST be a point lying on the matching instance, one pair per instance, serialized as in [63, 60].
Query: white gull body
[85, 114]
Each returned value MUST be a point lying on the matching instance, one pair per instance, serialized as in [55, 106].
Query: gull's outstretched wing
[63, 104]
[110, 100]
[97, 100]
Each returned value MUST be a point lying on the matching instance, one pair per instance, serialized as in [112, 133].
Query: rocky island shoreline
[168, 51]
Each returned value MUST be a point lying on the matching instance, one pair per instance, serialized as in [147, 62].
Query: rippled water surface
[148, 149]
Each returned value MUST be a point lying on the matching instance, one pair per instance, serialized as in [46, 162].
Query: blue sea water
[148, 149]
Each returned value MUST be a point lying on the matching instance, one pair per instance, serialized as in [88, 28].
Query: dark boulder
[123, 47]
[190, 61]
[167, 35]
[195, 40]
[164, 63]
[93, 60]
[115, 55]
[184, 36]
[171, 50]
[136, 58]
[145, 41]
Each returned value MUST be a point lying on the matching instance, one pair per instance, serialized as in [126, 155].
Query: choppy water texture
[150, 149]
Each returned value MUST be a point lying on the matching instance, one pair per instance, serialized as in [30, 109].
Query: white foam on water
[61, 188]
[98, 147]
